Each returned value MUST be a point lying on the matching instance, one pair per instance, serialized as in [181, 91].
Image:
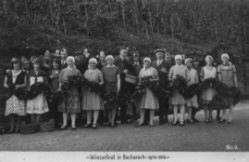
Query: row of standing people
[110, 73]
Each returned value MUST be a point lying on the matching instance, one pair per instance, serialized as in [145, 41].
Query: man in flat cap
[161, 66]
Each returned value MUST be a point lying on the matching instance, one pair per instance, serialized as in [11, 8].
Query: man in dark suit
[137, 65]
[102, 61]
[162, 68]
[63, 58]
[122, 63]
[82, 60]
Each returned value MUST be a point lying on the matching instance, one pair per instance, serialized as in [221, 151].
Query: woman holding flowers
[178, 73]
[15, 106]
[208, 72]
[149, 101]
[37, 104]
[111, 88]
[227, 75]
[92, 102]
[71, 101]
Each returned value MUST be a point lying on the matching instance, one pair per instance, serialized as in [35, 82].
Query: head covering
[178, 57]
[188, 60]
[109, 57]
[225, 55]
[70, 58]
[159, 50]
[14, 59]
[93, 60]
[36, 60]
[208, 57]
[147, 59]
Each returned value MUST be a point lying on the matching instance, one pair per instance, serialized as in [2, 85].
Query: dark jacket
[163, 76]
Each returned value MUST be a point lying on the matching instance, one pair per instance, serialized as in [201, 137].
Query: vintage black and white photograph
[124, 76]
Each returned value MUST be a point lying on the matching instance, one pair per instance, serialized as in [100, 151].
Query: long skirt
[148, 101]
[91, 101]
[70, 102]
[37, 105]
[15, 106]
[177, 99]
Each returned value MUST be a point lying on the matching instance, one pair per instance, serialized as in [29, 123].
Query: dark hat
[159, 50]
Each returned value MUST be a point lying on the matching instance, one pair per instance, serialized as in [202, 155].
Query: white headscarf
[188, 60]
[109, 57]
[208, 57]
[146, 59]
[178, 57]
[225, 55]
[71, 58]
[93, 60]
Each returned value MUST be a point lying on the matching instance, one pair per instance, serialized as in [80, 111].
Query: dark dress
[110, 84]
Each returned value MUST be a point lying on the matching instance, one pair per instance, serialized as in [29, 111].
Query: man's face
[167, 56]
[123, 53]
[159, 55]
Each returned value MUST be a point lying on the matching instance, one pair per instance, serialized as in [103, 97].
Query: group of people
[112, 74]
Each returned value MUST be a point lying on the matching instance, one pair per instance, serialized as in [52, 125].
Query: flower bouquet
[179, 84]
[92, 86]
[109, 95]
[38, 88]
[192, 90]
[21, 93]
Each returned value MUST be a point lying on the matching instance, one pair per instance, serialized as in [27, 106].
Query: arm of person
[202, 74]
[235, 77]
[155, 76]
[101, 78]
[118, 83]
[5, 82]
[170, 76]
[219, 73]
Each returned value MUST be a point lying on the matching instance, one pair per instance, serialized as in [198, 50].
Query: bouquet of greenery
[38, 88]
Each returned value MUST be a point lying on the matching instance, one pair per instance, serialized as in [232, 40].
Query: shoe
[174, 123]
[151, 125]
[94, 126]
[190, 121]
[139, 124]
[112, 125]
[182, 123]
[73, 128]
[222, 120]
[63, 127]
[230, 121]
[87, 125]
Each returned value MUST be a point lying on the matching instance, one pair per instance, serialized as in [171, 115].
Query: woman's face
[146, 64]
[225, 60]
[55, 65]
[92, 65]
[189, 64]
[16, 65]
[209, 61]
[178, 61]
[36, 66]
[196, 63]
[70, 62]
[109, 61]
